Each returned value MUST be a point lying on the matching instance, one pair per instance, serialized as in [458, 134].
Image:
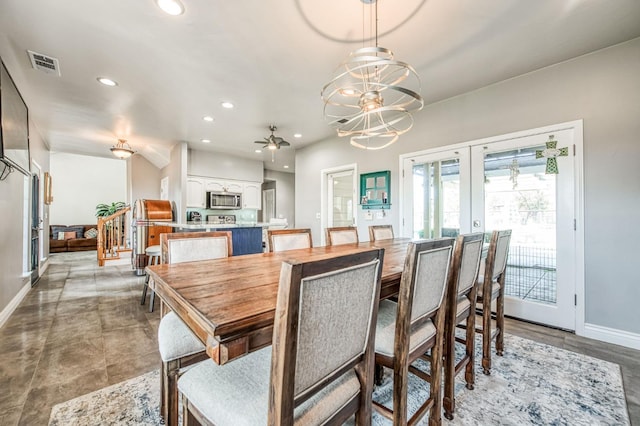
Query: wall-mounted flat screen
[14, 124]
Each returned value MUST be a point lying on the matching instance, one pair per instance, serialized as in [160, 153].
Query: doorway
[339, 198]
[501, 183]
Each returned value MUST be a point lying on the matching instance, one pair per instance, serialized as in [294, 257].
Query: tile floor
[82, 328]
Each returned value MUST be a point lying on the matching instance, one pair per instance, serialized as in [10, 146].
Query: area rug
[532, 384]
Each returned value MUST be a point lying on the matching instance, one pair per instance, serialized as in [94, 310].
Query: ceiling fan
[273, 142]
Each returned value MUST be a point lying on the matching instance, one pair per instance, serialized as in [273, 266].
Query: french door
[435, 194]
[500, 184]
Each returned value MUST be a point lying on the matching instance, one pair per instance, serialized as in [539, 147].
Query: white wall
[285, 194]
[144, 179]
[224, 166]
[81, 182]
[603, 89]
[13, 283]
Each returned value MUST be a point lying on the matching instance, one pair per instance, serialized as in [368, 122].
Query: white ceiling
[270, 58]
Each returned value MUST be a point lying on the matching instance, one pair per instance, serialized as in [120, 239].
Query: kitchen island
[246, 237]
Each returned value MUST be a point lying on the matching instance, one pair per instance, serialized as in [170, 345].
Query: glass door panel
[341, 199]
[521, 197]
[434, 203]
[512, 191]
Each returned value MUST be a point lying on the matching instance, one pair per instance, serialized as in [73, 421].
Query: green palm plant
[103, 210]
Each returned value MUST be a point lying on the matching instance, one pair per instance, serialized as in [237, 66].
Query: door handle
[476, 223]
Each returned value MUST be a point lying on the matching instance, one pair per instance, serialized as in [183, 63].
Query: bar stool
[153, 254]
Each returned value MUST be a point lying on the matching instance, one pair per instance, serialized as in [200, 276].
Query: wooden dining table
[230, 303]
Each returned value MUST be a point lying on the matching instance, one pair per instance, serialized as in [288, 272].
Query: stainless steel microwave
[224, 200]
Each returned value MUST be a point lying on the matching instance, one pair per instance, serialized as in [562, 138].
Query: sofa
[74, 238]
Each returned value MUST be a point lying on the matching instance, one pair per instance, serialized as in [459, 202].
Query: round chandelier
[371, 96]
[122, 149]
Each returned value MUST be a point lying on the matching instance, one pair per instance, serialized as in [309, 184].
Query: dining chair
[461, 297]
[342, 235]
[289, 239]
[178, 346]
[490, 287]
[380, 232]
[312, 374]
[153, 256]
[408, 329]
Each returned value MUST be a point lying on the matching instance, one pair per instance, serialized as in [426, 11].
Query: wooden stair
[113, 234]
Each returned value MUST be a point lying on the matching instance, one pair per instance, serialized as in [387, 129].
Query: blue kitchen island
[246, 238]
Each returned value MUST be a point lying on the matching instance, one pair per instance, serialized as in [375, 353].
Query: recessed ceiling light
[227, 105]
[207, 118]
[286, 167]
[297, 135]
[205, 140]
[172, 7]
[107, 81]
[258, 151]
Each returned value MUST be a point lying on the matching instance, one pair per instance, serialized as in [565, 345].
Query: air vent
[44, 63]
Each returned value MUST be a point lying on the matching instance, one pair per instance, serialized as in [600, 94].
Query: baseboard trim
[8, 310]
[612, 335]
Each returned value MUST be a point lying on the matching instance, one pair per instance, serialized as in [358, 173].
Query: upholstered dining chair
[490, 287]
[406, 330]
[178, 346]
[342, 235]
[461, 297]
[312, 375]
[289, 239]
[380, 232]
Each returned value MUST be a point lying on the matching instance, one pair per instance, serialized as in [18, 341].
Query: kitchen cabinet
[196, 192]
[251, 195]
[197, 187]
[217, 185]
[246, 240]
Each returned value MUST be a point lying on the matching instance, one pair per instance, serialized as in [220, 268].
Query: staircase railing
[113, 236]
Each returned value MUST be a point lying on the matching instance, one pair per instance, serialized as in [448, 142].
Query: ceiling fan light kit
[122, 149]
[272, 142]
[372, 96]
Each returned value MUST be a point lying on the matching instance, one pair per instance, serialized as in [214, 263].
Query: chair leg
[486, 337]
[188, 419]
[144, 290]
[470, 371]
[448, 400]
[171, 392]
[435, 414]
[500, 324]
[400, 389]
[152, 299]
[163, 392]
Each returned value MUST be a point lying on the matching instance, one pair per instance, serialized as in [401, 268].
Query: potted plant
[104, 210]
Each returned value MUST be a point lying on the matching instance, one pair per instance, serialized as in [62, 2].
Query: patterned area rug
[532, 384]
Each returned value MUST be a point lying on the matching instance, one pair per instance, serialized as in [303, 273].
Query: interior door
[341, 196]
[510, 190]
[436, 201]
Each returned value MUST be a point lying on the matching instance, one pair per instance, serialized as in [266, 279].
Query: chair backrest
[324, 330]
[181, 247]
[380, 232]
[342, 235]
[422, 287]
[466, 262]
[289, 239]
[496, 262]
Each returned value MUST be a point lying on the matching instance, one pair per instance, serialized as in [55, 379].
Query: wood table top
[230, 303]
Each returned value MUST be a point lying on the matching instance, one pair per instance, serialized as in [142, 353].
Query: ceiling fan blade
[260, 142]
[277, 139]
[284, 143]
